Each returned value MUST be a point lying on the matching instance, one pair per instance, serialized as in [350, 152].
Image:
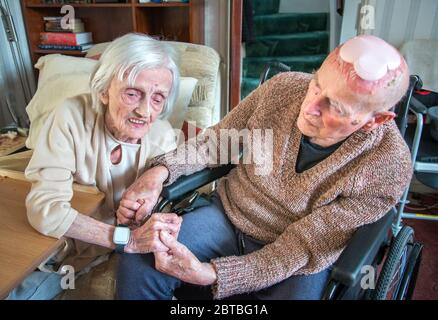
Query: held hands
[140, 198]
[146, 238]
[179, 262]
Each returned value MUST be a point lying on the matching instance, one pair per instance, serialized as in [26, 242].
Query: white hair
[128, 56]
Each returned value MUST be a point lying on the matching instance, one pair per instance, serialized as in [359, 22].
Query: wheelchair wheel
[409, 280]
[394, 282]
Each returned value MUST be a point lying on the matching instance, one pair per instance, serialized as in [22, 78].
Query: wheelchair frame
[419, 110]
[367, 247]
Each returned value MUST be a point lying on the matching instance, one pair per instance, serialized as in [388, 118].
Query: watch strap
[120, 248]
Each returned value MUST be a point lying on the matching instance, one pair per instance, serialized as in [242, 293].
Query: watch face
[121, 235]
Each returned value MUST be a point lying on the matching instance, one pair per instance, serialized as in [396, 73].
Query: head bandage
[370, 56]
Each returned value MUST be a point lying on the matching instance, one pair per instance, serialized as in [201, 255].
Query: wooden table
[12, 146]
[22, 248]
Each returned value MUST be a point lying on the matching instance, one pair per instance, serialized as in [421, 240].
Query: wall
[396, 21]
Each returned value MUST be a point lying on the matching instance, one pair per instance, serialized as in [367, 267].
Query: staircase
[299, 40]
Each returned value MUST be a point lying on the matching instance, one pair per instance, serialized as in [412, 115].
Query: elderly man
[339, 162]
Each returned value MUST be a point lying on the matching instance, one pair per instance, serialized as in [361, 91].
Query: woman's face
[132, 109]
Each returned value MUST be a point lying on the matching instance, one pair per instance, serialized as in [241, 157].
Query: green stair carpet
[282, 23]
[253, 67]
[306, 43]
[260, 7]
[299, 40]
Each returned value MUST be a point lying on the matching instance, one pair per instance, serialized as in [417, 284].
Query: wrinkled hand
[181, 263]
[140, 198]
[146, 238]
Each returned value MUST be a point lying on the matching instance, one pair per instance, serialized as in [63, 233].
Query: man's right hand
[140, 198]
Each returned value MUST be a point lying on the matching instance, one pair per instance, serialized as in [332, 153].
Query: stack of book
[58, 37]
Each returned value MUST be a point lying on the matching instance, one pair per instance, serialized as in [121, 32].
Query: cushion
[52, 64]
[57, 84]
[51, 94]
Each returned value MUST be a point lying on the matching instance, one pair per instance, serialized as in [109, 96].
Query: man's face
[132, 109]
[330, 112]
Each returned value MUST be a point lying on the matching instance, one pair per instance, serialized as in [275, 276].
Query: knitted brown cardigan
[306, 218]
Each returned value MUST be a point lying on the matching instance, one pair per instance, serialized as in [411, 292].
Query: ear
[378, 119]
[104, 98]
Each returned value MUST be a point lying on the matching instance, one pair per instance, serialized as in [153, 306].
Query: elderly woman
[339, 162]
[105, 140]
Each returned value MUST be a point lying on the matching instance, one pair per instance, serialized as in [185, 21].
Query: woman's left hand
[126, 212]
[181, 263]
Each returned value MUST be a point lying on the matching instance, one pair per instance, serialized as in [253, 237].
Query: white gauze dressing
[370, 56]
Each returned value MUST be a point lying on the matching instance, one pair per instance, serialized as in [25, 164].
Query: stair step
[286, 23]
[306, 43]
[248, 85]
[265, 6]
[253, 66]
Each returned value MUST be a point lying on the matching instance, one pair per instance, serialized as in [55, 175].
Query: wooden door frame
[235, 52]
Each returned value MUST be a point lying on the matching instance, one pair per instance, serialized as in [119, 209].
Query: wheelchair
[386, 244]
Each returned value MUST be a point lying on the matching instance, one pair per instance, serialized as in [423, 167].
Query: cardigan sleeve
[196, 154]
[314, 242]
[50, 171]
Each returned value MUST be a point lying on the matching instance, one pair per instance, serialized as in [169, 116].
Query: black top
[311, 154]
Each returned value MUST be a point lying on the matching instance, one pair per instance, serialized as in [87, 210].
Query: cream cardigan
[71, 148]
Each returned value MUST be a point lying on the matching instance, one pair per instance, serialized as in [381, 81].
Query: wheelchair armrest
[416, 106]
[361, 250]
[185, 184]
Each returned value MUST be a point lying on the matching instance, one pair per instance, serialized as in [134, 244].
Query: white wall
[304, 6]
[396, 21]
[217, 36]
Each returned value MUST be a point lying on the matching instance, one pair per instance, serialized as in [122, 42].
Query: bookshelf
[176, 21]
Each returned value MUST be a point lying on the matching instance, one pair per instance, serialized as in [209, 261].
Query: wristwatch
[121, 237]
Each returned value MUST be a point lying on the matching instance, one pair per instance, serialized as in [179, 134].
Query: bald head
[372, 69]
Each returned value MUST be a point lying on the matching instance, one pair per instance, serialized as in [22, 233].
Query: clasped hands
[159, 233]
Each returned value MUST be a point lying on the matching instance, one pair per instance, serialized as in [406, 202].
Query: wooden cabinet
[175, 21]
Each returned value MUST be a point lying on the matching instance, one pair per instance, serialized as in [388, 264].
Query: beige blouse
[124, 172]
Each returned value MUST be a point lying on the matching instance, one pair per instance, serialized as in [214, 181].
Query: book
[54, 27]
[65, 38]
[82, 47]
[58, 19]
